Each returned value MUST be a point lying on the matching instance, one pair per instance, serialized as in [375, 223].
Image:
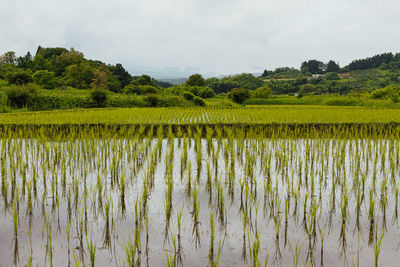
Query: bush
[125, 101]
[262, 92]
[198, 101]
[45, 78]
[18, 77]
[188, 96]
[175, 101]
[140, 89]
[152, 100]
[207, 92]
[382, 93]
[99, 96]
[195, 80]
[20, 96]
[3, 102]
[239, 95]
[332, 76]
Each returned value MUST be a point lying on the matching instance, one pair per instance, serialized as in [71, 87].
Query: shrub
[18, 77]
[188, 96]
[262, 92]
[332, 76]
[207, 92]
[239, 95]
[198, 101]
[3, 102]
[20, 96]
[175, 101]
[382, 93]
[152, 100]
[45, 78]
[99, 96]
[195, 80]
[140, 89]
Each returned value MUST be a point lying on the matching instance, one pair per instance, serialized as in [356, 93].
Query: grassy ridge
[187, 116]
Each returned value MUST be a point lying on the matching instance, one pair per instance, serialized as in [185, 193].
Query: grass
[191, 116]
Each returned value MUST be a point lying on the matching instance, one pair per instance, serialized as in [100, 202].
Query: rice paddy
[198, 195]
[184, 116]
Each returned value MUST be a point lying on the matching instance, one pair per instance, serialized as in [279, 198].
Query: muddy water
[291, 163]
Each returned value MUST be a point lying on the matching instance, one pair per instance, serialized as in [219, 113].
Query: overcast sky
[206, 36]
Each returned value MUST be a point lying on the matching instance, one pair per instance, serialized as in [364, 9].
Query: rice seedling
[91, 246]
[314, 184]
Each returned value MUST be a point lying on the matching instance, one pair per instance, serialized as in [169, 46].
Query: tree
[198, 101]
[332, 66]
[332, 76]
[79, 75]
[266, 73]
[41, 63]
[18, 77]
[239, 95]
[19, 96]
[50, 52]
[195, 80]
[25, 62]
[99, 96]
[122, 75]
[262, 92]
[100, 77]
[206, 92]
[313, 66]
[45, 78]
[144, 80]
[8, 58]
[188, 96]
[308, 88]
[67, 59]
[140, 89]
[224, 85]
[248, 81]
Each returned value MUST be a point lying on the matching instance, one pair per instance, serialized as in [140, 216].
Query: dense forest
[58, 78]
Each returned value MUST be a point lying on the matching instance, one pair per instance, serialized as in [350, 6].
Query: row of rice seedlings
[288, 168]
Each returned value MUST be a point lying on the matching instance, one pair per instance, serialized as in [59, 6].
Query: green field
[191, 116]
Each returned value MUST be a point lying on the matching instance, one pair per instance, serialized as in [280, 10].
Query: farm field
[189, 116]
[194, 187]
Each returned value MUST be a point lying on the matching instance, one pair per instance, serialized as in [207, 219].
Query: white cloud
[213, 36]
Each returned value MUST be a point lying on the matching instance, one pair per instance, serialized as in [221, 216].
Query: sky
[167, 38]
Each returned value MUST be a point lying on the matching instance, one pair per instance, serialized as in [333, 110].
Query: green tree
[99, 96]
[41, 63]
[144, 80]
[308, 88]
[248, 81]
[332, 76]
[8, 58]
[100, 77]
[313, 66]
[79, 75]
[332, 66]
[122, 75]
[18, 77]
[20, 96]
[67, 59]
[262, 92]
[25, 62]
[239, 95]
[188, 96]
[198, 101]
[45, 78]
[195, 80]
